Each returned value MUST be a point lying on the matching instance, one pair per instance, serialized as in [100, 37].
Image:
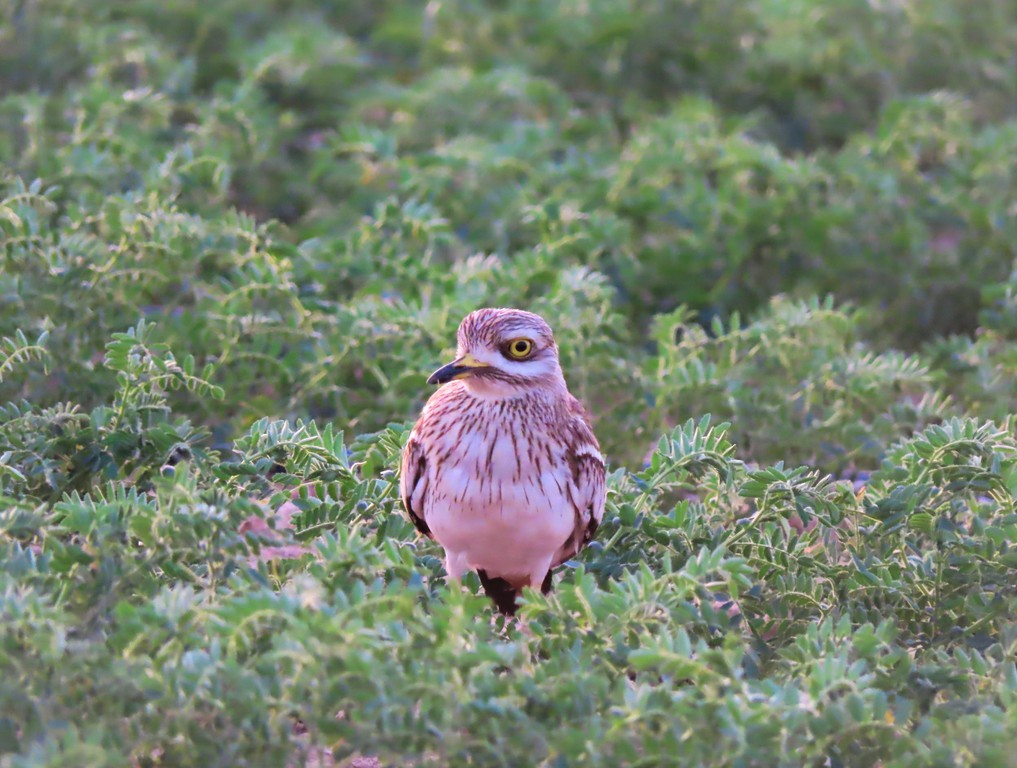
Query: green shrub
[235, 238]
[797, 383]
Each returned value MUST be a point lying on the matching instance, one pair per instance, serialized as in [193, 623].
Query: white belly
[495, 511]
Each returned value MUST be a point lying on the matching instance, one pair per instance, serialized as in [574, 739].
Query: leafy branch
[19, 350]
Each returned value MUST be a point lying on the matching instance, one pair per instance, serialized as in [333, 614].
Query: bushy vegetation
[777, 240]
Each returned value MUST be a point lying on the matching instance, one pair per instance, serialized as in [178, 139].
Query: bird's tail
[504, 594]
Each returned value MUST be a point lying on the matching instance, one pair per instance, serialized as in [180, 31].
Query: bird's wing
[587, 490]
[413, 482]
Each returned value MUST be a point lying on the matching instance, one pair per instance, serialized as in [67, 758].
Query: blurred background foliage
[310, 195]
[225, 225]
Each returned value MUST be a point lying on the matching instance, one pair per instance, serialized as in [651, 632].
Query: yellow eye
[519, 349]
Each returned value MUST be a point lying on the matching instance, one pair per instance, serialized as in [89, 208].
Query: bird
[502, 468]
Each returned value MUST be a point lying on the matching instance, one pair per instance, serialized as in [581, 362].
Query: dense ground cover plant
[236, 236]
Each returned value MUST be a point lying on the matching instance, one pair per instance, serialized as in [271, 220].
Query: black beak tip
[446, 373]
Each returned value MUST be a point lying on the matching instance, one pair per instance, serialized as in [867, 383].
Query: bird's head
[503, 353]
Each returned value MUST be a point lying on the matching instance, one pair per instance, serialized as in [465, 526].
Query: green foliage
[236, 236]
[20, 350]
[796, 382]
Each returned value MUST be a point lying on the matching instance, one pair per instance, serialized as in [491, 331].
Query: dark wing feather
[587, 489]
[413, 483]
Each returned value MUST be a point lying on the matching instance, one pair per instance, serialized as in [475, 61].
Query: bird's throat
[490, 388]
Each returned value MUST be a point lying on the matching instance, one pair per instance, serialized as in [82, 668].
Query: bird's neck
[550, 391]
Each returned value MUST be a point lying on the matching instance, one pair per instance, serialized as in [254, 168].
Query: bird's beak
[457, 369]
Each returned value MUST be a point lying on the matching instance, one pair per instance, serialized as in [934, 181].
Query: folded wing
[586, 488]
[413, 483]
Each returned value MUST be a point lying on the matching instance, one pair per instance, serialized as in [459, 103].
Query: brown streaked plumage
[503, 468]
